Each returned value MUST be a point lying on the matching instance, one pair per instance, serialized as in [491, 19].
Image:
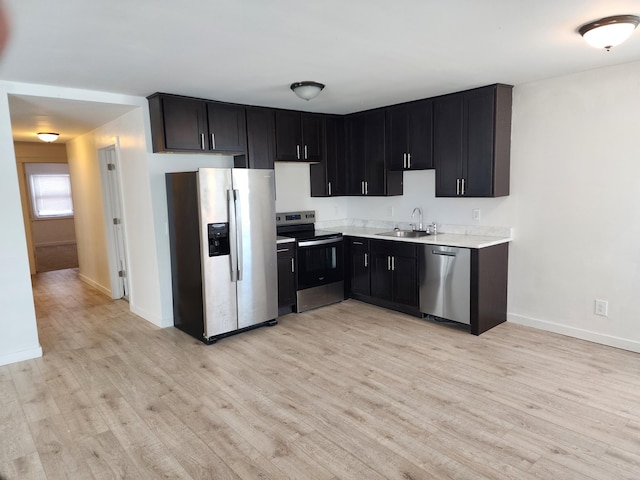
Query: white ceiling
[369, 53]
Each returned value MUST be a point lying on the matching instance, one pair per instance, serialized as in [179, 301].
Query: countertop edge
[445, 239]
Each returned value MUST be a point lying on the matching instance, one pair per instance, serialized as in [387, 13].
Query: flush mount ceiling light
[48, 136]
[610, 31]
[307, 90]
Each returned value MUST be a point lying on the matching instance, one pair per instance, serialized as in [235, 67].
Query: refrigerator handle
[238, 222]
[233, 234]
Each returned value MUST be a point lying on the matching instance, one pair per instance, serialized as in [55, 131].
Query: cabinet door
[397, 136]
[261, 137]
[329, 176]
[405, 280]
[356, 160]
[288, 136]
[419, 117]
[286, 275]
[184, 124]
[381, 278]
[359, 272]
[312, 134]
[448, 144]
[477, 169]
[227, 128]
[374, 154]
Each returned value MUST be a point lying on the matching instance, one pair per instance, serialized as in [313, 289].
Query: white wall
[575, 171]
[88, 212]
[18, 330]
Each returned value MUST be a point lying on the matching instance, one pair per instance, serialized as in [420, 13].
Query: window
[50, 187]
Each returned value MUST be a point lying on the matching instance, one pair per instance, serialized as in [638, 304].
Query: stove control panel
[295, 218]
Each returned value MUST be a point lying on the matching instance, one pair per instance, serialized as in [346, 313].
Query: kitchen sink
[404, 234]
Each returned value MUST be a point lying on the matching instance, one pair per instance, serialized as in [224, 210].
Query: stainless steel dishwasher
[445, 282]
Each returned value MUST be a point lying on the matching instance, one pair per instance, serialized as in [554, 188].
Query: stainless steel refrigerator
[223, 250]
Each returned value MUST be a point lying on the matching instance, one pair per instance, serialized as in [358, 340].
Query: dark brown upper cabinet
[261, 139]
[409, 132]
[298, 136]
[328, 177]
[367, 170]
[472, 142]
[183, 124]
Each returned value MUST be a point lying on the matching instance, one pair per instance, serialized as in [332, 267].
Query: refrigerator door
[219, 290]
[257, 292]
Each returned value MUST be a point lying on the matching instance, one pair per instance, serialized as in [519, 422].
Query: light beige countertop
[446, 239]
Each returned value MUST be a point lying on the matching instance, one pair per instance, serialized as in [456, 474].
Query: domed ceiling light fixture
[48, 136]
[307, 90]
[610, 31]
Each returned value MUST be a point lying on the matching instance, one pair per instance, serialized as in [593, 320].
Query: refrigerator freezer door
[219, 291]
[257, 263]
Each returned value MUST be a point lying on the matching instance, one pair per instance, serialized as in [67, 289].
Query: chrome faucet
[413, 214]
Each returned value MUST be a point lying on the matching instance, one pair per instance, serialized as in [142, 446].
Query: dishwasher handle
[446, 254]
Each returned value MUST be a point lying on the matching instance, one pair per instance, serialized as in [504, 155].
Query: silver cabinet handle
[202, 141]
[213, 141]
[393, 263]
[282, 250]
[366, 188]
[357, 243]
[293, 266]
[366, 259]
[457, 186]
[298, 152]
[388, 263]
[404, 160]
[362, 187]
[408, 160]
[463, 186]
[306, 156]
[329, 188]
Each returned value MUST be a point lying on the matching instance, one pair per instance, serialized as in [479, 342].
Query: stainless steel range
[320, 269]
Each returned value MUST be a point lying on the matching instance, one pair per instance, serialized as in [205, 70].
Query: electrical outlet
[475, 214]
[601, 308]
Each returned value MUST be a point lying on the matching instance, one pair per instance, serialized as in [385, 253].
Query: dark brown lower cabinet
[359, 257]
[286, 277]
[489, 274]
[384, 273]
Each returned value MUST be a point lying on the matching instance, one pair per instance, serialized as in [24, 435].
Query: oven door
[320, 262]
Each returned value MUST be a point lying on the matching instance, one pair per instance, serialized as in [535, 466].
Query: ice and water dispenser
[218, 239]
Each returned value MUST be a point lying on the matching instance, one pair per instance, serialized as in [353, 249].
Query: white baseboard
[149, 317]
[94, 284]
[22, 355]
[588, 335]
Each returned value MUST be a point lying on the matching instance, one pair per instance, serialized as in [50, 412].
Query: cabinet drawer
[391, 247]
[285, 250]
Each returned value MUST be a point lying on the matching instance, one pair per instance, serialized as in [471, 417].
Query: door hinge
[116, 221]
[111, 166]
[122, 273]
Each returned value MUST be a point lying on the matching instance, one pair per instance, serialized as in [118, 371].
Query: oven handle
[324, 241]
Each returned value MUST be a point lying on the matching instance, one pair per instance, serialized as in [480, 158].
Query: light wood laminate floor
[349, 391]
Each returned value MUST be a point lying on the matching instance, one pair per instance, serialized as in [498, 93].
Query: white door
[116, 245]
